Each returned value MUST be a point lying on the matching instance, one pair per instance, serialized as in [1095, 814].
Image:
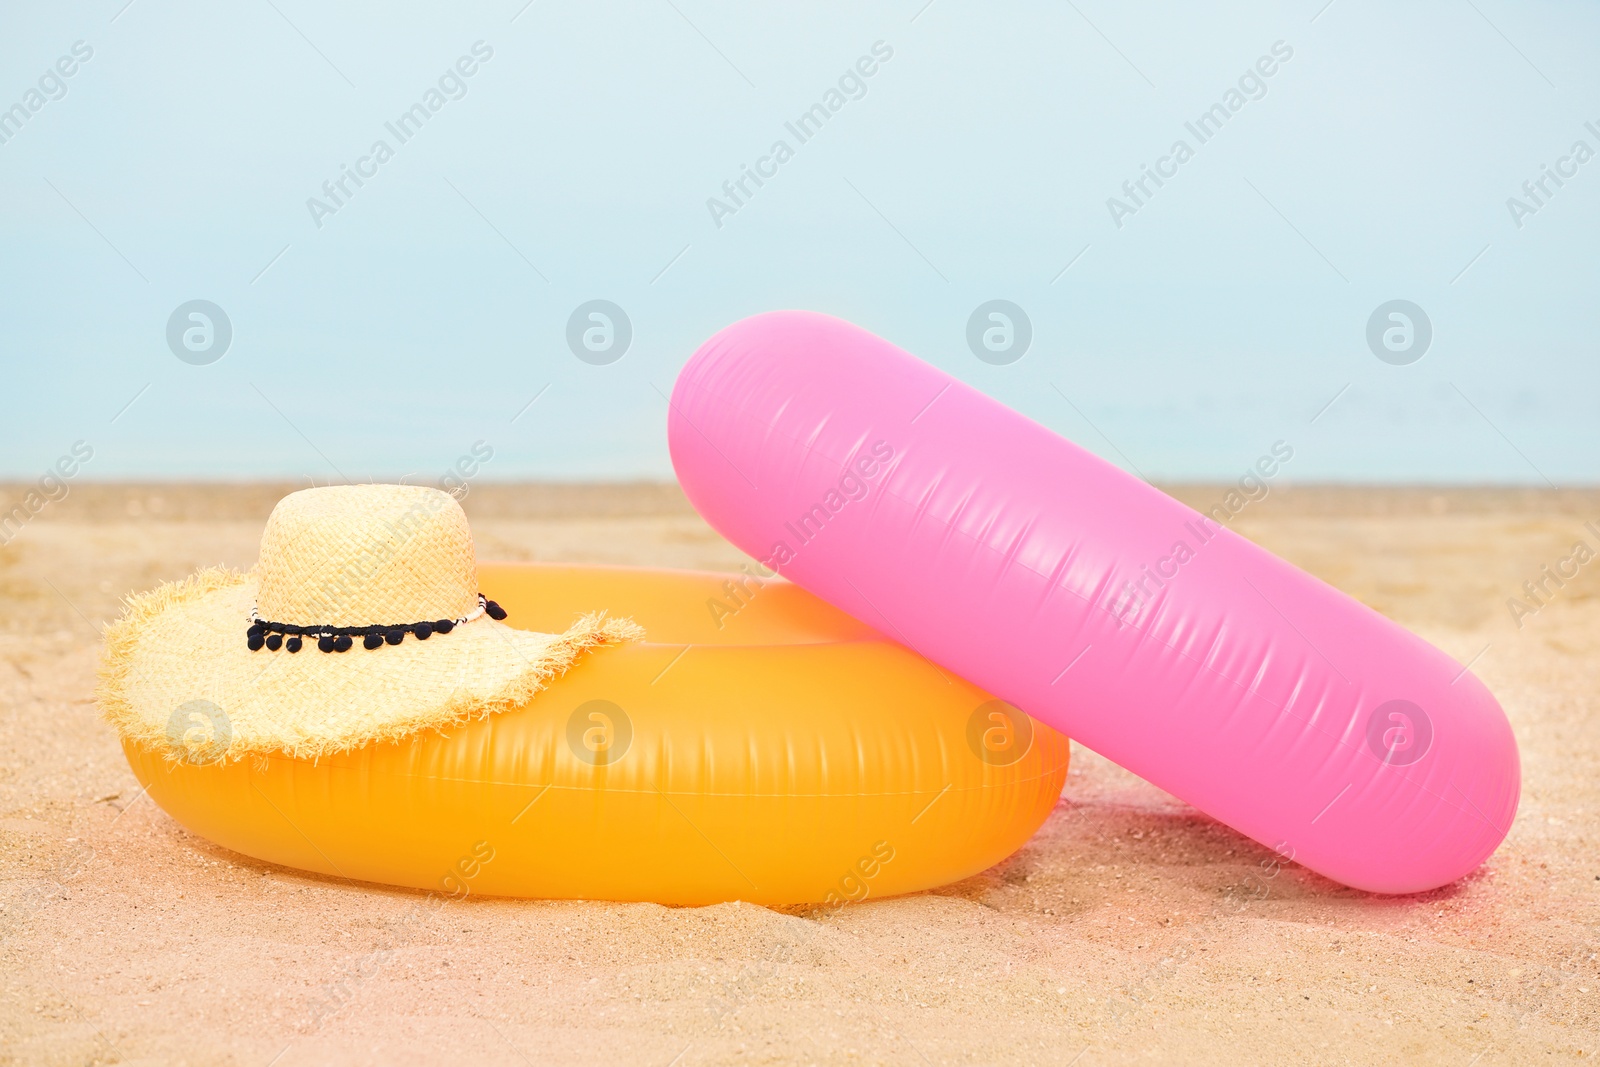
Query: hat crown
[362, 555]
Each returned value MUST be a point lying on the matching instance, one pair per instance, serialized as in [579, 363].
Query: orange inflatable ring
[759, 745]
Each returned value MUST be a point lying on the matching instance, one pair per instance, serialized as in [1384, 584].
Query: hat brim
[178, 676]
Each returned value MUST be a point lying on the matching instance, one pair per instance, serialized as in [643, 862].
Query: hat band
[288, 635]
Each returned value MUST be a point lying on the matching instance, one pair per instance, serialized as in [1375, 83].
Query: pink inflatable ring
[1096, 603]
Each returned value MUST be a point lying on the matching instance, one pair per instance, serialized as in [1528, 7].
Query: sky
[441, 305]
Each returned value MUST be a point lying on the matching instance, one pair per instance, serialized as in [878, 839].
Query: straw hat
[360, 622]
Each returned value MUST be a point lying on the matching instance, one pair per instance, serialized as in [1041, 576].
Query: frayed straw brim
[184, 643]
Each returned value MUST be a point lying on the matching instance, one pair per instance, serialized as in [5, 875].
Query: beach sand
[1130, 929]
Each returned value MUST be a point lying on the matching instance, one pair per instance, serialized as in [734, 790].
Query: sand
[1130, 929]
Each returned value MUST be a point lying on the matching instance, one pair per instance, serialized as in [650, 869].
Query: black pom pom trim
[275, 635]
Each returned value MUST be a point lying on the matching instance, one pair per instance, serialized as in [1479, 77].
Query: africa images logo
[1399, 732]
[1399, 332]
[599, 732]
[198, 732]
[999, 733]
[599, 332]
[199, 332]
[999, 332]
